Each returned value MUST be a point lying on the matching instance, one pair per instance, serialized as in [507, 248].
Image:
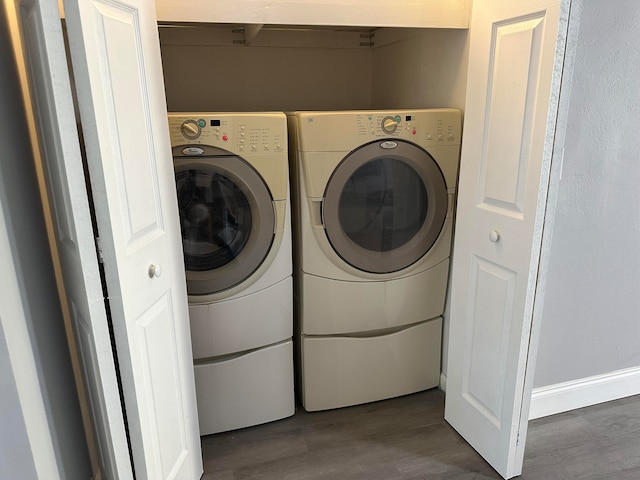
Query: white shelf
[378, 13]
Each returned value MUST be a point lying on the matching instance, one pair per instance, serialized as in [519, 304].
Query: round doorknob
[494, 236]
[155, 270]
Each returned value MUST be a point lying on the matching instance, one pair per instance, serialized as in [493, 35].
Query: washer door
[384, 206]
[226, 218]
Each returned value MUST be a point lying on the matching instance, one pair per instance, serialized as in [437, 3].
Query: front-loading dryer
[375, 195]
[231, 172]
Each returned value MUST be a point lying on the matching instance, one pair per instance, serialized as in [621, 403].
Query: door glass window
[383, 205]
[215, 219]
[227, 221]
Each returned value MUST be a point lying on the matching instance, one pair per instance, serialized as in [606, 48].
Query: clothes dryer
[232, 182]
[375, 196]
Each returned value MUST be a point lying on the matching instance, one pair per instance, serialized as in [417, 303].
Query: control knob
[190, 129]
[389, 124]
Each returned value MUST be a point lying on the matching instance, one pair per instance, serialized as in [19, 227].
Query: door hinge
[99, 250]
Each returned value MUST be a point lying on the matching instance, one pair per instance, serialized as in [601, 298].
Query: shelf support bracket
[250, 32]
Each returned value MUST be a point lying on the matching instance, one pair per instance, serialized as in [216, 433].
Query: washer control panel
[235, 132]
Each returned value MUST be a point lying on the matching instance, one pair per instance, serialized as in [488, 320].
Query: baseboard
[584, 392]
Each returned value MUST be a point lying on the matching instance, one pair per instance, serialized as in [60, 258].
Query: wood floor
[407, 438]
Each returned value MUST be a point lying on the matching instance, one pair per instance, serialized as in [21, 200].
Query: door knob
[494, 236]
[155, 270]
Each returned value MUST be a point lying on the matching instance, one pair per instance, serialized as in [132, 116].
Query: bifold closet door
[118, 78]
[40, 50]
[516, 56]
[115, 54]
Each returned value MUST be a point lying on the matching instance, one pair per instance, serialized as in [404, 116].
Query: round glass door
[226, 220]
[385, 206]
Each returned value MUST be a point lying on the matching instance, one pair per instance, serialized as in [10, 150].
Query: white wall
[591, 319]
[37, 334]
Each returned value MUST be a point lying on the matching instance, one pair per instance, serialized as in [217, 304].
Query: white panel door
[510, 115]
[116, 63]
[49, 94]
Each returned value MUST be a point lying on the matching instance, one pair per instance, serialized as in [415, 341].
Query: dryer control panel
[327, 131]
[239, 133]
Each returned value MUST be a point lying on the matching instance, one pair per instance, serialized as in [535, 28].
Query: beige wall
[238, 78]
[425, 70]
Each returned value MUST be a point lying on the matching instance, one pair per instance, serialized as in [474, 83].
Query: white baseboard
[584, 392]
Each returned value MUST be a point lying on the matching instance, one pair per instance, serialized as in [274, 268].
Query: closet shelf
[285, 36]
[355, 13]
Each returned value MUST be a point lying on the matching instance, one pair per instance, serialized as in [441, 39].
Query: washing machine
[232, 181]
[374, 194]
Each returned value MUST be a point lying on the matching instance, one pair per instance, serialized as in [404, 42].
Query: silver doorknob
[155, 270]
[494, 236]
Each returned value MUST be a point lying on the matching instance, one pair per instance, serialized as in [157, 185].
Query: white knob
[155, 270]
[494, 236]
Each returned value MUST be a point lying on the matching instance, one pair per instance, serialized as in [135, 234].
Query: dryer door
[226, 218]
[385, 206]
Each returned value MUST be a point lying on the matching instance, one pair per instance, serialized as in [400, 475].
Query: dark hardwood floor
[407, 438]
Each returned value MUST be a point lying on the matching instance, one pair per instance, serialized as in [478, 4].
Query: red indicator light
[225, 137]
[414, 131]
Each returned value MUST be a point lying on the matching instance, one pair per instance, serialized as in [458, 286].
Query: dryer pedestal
[340, 371]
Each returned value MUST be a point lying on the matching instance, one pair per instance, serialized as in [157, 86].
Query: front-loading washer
[232, 181]
[374, 194]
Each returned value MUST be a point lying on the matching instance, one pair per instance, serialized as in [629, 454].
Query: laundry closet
[256, 56]
[341, 56]
[221, 67]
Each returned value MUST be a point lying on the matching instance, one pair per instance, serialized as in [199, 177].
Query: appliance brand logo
[192, 151]
[388, 145]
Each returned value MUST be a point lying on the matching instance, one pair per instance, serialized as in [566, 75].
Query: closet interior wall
[209, 67]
